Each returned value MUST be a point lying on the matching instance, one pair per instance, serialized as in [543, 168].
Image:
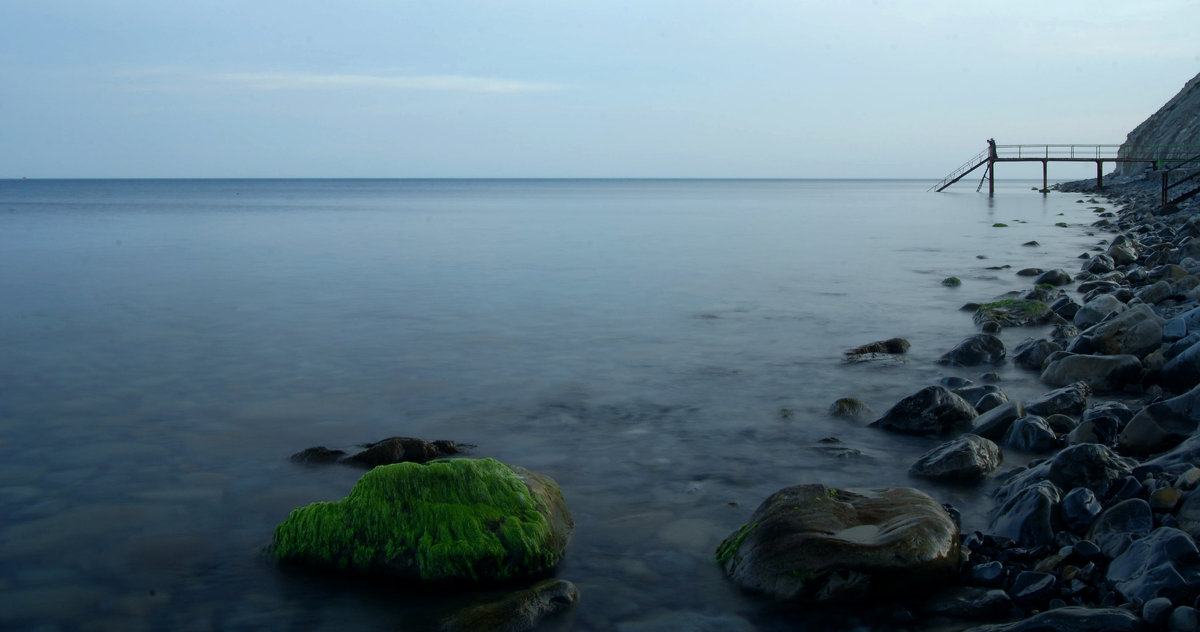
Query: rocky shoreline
[1101, 533]
[1098, 533]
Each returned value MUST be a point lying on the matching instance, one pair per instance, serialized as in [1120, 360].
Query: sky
[563, 88]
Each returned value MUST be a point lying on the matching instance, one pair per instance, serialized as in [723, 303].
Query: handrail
[962, 170]
[1133, 153]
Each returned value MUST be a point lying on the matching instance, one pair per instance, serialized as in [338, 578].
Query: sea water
[667, 350]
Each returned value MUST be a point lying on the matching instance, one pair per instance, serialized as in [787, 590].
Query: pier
[1162, 158]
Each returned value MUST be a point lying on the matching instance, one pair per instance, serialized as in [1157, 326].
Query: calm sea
[665, 349]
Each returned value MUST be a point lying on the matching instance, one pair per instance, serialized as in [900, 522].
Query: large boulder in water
[813, 543]
[975, 350]
[932, 410]
[452, 521]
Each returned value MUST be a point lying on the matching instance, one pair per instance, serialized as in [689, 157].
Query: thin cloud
[175, 79]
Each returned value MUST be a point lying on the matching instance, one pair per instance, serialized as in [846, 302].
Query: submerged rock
[519, 611]
[932, 410]
[975, 350]
[402, 450]
[813, 543]
[458, 520]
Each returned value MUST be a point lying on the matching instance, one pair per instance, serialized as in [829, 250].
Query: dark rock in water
[1100, 372]
[932, 410]
[1057, 276]
[952, 281]
[519, 611]
[1031, 244]
[1014, 312]
[1072, 619]
[975, 350]
[1121, 524]
[1136, 331]
[966, 458]
[812, 543]
[1162, 425]
[1068, 400]
[1031, 354]
[1182, 373]
[995, 422]
[891, 345]
[402, 450]
[319, 454]
[849, 408]
[1028, 516]
[1079, 509]
[966, 603]
[1031, 588]
[1162, 564]
[1030, 272]
[1030, 434]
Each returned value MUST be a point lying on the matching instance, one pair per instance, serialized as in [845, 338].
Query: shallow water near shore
[666, 350]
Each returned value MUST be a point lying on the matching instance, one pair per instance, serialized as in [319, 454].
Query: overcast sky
[559, 88]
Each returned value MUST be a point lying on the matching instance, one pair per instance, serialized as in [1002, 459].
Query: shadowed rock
[813, 543]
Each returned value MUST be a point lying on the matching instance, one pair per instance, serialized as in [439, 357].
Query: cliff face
[1176, 123]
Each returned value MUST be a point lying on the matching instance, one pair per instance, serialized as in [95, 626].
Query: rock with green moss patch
[449, 521]
[812, 543]
[1014, 312]
[951, 281]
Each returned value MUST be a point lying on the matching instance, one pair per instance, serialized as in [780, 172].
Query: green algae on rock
[454, 520]
[1013, 312]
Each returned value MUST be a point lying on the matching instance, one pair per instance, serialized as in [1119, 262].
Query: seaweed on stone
[449, 520]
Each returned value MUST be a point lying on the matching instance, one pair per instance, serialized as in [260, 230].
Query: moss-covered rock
[455, 520]
[1014, 312]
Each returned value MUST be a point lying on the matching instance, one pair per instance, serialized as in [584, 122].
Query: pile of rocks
[1100, 533]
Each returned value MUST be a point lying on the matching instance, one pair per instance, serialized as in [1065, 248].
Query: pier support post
[991, 174]
[1044, 164]
[1099, 174]
[1165, 177]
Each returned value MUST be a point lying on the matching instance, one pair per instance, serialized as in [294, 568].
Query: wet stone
[1031, 588]
[1079, 509]
[965, 458]
[1161, 564]
[1120, 525]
